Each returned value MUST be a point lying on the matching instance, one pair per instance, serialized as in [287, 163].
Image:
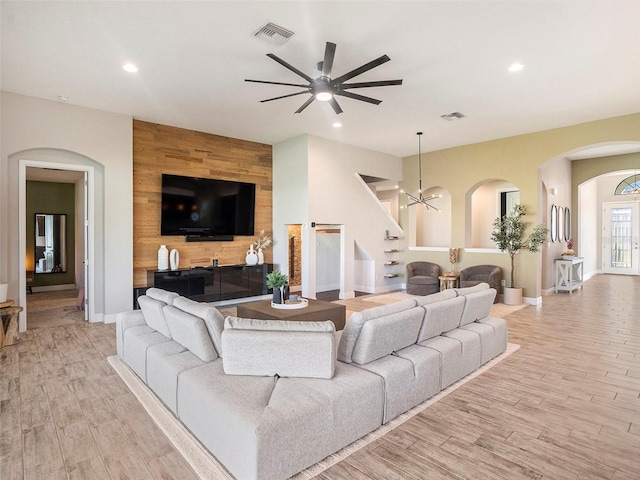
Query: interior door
[620, 236]
[86, 245]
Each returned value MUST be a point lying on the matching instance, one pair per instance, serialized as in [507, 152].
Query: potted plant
[509, 236]
[277, 281]
[569, 252]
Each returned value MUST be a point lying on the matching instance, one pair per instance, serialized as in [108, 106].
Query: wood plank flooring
[564, 406]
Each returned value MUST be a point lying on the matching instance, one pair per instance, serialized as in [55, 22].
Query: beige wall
[516, 160]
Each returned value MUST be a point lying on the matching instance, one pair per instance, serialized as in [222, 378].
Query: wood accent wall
[159, 149]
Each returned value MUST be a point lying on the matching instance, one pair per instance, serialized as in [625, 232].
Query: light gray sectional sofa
[271, 398]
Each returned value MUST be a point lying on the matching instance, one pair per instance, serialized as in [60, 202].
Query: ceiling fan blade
[327, 63]
[360, 70]
[284, 96]
[381, 83]
[277, 83]
[362, 98]
[306, 104]
[335, 106]
[290, 67]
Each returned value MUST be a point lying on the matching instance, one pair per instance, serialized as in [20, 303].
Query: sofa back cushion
[441, 317]
[275, 347]
[387, 334]
[435, 297]
[213, 319]
[477, 306]
[151, 304]
[190, 332]
[476, 288]
[356, 321]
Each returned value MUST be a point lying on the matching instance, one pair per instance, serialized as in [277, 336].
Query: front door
[620, 237]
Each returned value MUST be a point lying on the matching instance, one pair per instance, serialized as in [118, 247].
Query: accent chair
[422, 278]
[476, 274]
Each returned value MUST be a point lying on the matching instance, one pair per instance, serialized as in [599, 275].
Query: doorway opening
[82, 237]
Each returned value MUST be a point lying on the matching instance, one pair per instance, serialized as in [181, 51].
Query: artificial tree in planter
[277, 281]
[509, 236]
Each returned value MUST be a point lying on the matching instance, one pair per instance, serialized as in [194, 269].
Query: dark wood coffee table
[316, 311]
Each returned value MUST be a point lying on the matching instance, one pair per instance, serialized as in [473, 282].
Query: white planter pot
[3, 292]
[512, 296]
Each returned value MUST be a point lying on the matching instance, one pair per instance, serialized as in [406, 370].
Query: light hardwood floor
[564, 406]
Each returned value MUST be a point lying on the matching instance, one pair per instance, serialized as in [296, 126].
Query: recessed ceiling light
[337, 125]
[63, 98]
[130, 67]
[516, 67]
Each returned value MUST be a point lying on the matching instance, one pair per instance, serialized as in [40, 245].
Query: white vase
[163, 258]
[251, 258]
[260, 257]
[3, 292]
[512, 296]
[174, 259]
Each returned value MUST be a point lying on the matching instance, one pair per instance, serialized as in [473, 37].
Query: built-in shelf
[390, 275]
[392, 262]
[393, 250]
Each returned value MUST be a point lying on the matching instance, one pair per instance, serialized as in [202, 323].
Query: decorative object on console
[277, 280]
[569, 252]
[3, 292]
[325, 88]
[163, 258]
[421, 199]
[453, 258]
[509, 236]
[252, 256]
[264, 241]
[174, 259]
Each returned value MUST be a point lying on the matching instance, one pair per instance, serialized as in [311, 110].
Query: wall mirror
[50, 243]
[554, 223]
[567, 224]
[560, 224]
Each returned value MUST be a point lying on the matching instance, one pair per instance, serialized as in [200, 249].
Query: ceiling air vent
[274, 33]
[450, 117]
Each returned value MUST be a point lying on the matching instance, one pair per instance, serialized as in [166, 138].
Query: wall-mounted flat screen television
[206, 207]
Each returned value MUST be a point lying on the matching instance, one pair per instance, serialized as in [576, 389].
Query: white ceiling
[581, 57]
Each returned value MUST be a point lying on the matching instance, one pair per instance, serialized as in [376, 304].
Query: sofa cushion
[435, 297]
[387, 334]
[477, 306]
[152, 304]
[213, 319]
[190, 332]
[161, 295]
[283, 348]
[441, 317]
[467, 290]
[352, 329]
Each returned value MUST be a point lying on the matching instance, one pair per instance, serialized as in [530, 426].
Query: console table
[568, 274]
[213, 284]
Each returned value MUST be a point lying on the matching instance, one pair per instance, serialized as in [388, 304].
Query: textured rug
[207, 467]
[499, 310]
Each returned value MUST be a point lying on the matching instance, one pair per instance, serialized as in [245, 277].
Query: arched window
[629, 186]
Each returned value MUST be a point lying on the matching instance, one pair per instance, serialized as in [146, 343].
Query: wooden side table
[9, 332]
[449, 280]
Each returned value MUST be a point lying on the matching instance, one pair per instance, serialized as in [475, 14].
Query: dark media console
[211, 284]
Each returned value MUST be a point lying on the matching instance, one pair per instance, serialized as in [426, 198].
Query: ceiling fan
[324, 88]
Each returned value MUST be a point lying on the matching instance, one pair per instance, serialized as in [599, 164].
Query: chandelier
[421, 199]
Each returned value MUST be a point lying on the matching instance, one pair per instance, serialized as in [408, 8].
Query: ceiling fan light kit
[421, 199]
[325, 88]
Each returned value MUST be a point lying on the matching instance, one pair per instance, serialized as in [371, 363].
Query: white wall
[333, 195]
[328, 266]
[590, 213]
[36, 129]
